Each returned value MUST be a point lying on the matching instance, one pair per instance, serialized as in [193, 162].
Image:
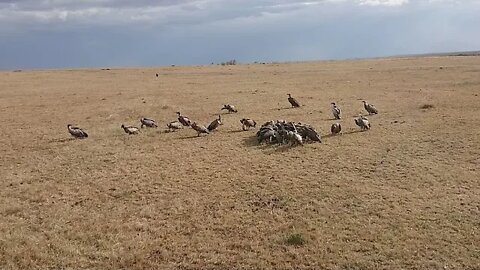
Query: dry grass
[404, 195]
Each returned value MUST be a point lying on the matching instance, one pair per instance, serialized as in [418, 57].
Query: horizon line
[398, 56]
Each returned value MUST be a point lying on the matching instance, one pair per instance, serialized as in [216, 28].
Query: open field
[404, 195]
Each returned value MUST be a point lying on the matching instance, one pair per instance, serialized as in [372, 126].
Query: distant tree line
[229, 63]
[234, 62]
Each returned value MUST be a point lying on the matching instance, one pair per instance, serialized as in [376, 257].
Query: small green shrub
[295, 239]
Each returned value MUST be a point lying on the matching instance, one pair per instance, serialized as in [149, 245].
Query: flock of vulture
[279, 131]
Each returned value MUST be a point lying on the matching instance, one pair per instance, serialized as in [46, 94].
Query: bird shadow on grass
[362, 113]
[236, 131]
[224, 113]
[284, 108]
[352, 132]
[189, 137]
[61, 140]
[269, 148]
[166, 131]
[250, 141]
[284, 148]
[330, 136]
[340, 134]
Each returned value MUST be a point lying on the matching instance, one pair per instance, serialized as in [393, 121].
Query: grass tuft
[295, 239]
[427, 106]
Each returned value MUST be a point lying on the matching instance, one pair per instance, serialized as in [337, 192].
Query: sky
[145, 33]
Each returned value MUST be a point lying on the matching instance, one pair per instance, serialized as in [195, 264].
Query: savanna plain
[403, 195]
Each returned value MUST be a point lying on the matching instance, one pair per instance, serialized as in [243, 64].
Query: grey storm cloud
[148, 11]
[165, 12]
[72, 33]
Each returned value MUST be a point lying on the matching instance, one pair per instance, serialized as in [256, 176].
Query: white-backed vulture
[229, 108]
[184, 120]
[369, 108]
[199, 129]
[130, 130]
[77, 132]
[148, 123]
[172, 126]
[336, 128]
[362, 122]
[336, 111]
[215, 124]
[247, 123]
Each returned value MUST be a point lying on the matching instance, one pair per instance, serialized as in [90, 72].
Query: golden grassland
[404, 195]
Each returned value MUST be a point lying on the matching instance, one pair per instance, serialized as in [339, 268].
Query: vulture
[294, 137]
[215, 124]
[130, 130]
[148, 122]
[308, 132]
[287, 132]
[269, 124]
[370, 108]
[293, 101]
[336, 111]
[247, 123]
[282, 133]
[336, 128]
[184, 120]
[229, 108]
[77, 132]
[362, 122]
[172, 126]
[267, 134]
[199, 129]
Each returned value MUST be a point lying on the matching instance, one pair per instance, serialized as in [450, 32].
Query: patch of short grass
[355, 266]
[295, 239]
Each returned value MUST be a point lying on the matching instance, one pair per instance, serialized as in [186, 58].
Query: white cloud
[383, 2]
